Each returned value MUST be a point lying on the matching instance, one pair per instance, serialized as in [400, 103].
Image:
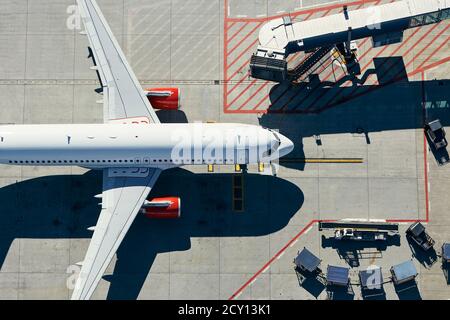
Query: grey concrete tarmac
[211, 251]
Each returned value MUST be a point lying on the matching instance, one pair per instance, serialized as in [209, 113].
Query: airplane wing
[123, 96]
[122, 198]
[124, 189]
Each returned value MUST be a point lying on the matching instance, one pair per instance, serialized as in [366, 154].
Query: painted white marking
[281, 254]
[241, 16]
[377, 220]
[319, 4]
[261, 15]
[237, 296]
[403, 223]
[293, 243]
[281, 11]
[307, 230]
[267, 268]
[251, 283]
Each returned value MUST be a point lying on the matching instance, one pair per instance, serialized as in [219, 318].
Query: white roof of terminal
[274, 35]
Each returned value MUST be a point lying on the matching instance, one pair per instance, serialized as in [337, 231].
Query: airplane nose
[286, 145]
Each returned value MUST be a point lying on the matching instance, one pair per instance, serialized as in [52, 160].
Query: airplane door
[242, 153]
[242, 156]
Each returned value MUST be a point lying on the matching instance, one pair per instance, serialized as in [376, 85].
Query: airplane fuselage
[138, 145]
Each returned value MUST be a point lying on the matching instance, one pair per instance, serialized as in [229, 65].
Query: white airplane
[132, 147]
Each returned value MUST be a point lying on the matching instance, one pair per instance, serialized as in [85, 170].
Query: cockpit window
[274, 147]
[276, 137]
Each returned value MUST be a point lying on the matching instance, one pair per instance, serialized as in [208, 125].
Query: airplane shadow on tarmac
[301, 111]
[54, 207]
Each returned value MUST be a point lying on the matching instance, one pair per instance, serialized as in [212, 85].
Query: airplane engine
[164, 98]
[162, 208]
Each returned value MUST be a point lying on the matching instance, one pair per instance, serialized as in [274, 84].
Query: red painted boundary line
[427, 206]
[243, 52]
[435, 64]
[312, 222]
[229, 22]
[434, 52]
[226, 41]
[426, 47]
[291, 59]
[272, 260]
[238, 69]
[225, 50]
[238, 31]
[245, 38]
[404, 42]
[267, 82]
[246, 63]
[243, 91]
[353, 95]
[376, 56]
[323, 68]
[363, 42]
[237, 84]
[253, 95]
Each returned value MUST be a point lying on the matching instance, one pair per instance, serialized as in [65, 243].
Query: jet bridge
[384, 24]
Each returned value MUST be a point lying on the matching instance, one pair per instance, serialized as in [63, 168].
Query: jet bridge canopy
[279, 34]
[283, 37]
